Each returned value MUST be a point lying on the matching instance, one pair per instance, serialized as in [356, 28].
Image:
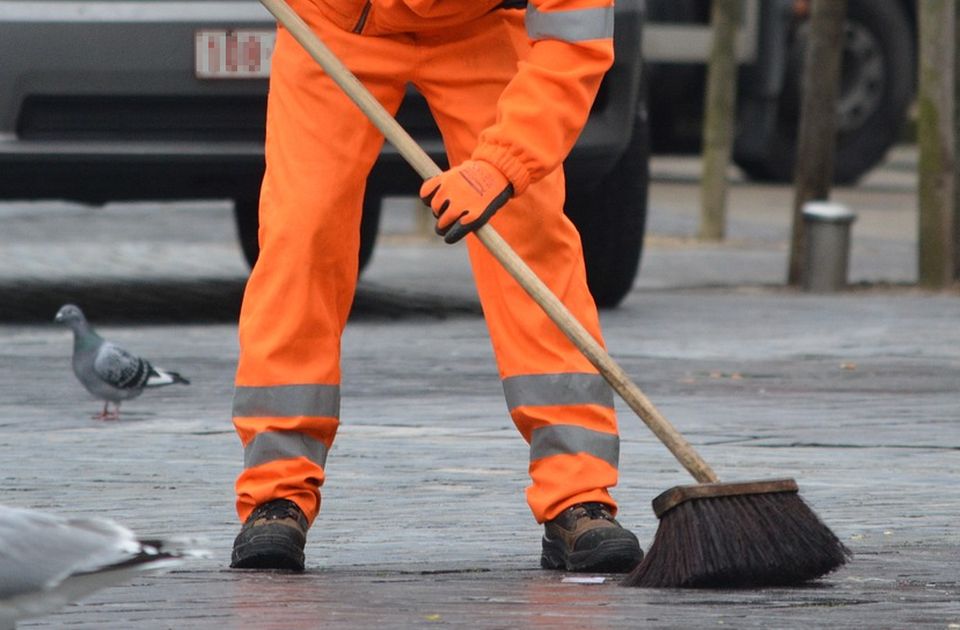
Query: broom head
[734, 535]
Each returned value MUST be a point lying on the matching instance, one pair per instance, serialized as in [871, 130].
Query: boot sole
[268, 552]
[610, 556]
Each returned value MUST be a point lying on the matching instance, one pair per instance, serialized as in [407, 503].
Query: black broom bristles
[736, 541]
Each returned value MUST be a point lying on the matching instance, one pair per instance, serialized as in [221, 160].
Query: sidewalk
[856, 395]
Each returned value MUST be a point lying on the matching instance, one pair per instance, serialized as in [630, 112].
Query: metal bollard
[828, 245]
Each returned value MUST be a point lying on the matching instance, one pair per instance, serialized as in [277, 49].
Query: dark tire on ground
[369, 227]
[877, 87]
[246, 213]
[611, 217]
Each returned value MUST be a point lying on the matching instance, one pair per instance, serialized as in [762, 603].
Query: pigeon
[48, 560]
[108, 371]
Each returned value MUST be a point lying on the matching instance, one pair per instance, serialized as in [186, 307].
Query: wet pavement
[855, 394]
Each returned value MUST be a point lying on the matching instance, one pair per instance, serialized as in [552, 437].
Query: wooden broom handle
[507, 257]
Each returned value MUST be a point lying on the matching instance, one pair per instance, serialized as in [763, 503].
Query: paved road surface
[856, 395]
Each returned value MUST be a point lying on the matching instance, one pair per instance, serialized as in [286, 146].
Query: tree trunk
[935, 140]
[818, 128]
[720, 118]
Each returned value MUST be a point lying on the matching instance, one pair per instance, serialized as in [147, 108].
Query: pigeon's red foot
[106, 414]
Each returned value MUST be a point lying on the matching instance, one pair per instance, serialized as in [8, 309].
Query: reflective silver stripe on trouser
[273, 445]
[285, 401]
[576, 25]
[568, 388]
[542, 390]
[565, 439]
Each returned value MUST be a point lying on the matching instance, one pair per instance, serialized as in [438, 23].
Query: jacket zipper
[363, 17]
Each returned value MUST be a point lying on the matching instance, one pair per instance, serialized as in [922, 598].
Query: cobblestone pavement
[856, 395]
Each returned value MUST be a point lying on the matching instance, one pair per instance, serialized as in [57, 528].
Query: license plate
[233, 54]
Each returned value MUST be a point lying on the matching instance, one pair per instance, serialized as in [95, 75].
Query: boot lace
[279, 509]
[596, 511]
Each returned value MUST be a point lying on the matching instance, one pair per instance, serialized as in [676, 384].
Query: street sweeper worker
[510, 85]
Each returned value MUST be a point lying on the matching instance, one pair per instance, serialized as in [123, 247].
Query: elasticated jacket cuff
[508, 164]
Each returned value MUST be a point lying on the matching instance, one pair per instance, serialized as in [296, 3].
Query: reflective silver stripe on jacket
[570, 440]
[577, 25]
[273, 445]
[568, 388]
[287, 401]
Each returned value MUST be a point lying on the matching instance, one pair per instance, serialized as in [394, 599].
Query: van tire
[611, 217]
[864, 142]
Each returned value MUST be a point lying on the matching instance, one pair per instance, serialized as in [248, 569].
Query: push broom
[711, 534]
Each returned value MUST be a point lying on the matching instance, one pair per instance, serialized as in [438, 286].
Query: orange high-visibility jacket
[543, 110]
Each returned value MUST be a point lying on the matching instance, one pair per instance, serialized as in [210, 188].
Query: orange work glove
[465, 197]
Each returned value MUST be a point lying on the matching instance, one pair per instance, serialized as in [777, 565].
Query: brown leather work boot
[586, 538]
[272, 538]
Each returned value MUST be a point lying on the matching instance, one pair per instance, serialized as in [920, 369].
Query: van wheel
[876, 88]
[611, 217]
[246, 213]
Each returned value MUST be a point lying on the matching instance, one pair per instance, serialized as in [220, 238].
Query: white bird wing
[47, 561]
[38, 550]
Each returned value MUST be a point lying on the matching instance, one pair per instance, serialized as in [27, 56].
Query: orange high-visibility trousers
[319, 150]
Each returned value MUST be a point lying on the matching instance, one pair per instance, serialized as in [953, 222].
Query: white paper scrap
[592, 579]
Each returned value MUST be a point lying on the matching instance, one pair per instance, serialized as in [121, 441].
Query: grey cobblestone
[856, 395]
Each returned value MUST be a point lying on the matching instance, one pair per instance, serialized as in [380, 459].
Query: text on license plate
[233, 54]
